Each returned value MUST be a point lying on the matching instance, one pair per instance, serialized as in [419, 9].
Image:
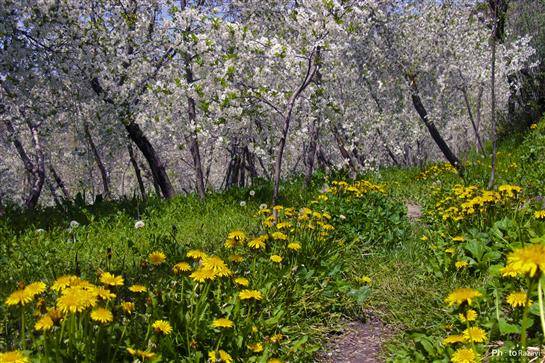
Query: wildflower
[102, 315]
[138, 288]
[263, 206]
[462, 295]
[35, 288]
[144, 354]
[139, 224]
[104, 294]
[458, 239]
[465, 355]
[127, 307]
[461, 264]
[222, 323]
[216, 265]
[278, 208]
[54, 314]
[20, 296]
[236, 258]
[539, 214]
[219, 356]
[450, 250]
[533, 126]
[274, 360]
[202, 275]
[243, 203]
[162, 326]
[45, 323]
[508, 271]
[258, 242]
[109, 279]
[157, 257]
[343, 217]
[283, 225]
[74, 224]
[510, 191]
[364, 280]
[279, 236]
[181, 267]
[252, 193]
[474, 334]
[63, 282]
[14, 356]
[295, 246]
[76, 299]
[519, 298]
[277, 337]
[424, 238]
[250, 294]
[196, 254]
[527, 260]
[470, 315]
[276, 258]
[256, 347]
[241, 281]
[453, 339]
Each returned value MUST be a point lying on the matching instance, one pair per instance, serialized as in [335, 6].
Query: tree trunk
[35, 170]
[59, 181]
[344, 153]
[53, 192]
[193, 140]
[314, 127]
[156, 165]
[104, 175]
[311, 70]
[449, 155]
[473, 124]
[137, 172]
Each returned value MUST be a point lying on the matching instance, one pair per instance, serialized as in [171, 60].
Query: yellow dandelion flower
[520, 298]
[236, 258]
[465, 355]
[104, 294]
[63, 282]
[274, 360]
[424, 238]
[461, 264]
[162, 326]
[276, 258]
[539, 214]
[14, 356]
[142, 354]
[35, 288]
[508, 271]
[234, 238]
[458, 239]
[202, 274]
[138, 288]
[219, 356]
[453, 339]
[474, 334]
[364, 280]
[256, 347]
[54, 314]
[102, 315]
[257, 243]
[216, 265]
[277, 337]
[283, 225]
[181, 267]
[295, 246]
[279, 236]
[462, 295]
[196, 254]
[533, 126]
[127, 307]
[250, 294]
[109, 279]
[222, 323]
[470, 315]
[76, 299]
[157, 257]
[450, 250]
[241, 281]
[45, 323]
[21, 297]
[527, 260]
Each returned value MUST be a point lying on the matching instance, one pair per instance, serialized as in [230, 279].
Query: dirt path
[361, 342]
[414, 211]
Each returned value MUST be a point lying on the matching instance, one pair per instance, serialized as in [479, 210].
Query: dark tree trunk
[137, 172]
[53, 192]
[156, 165]
[250, 163]
[104, 175]
[314, 127]
[449, 155]
[59, 181]
[344, 152]
[36, 169]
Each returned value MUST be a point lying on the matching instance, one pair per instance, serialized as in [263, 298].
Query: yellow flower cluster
[434, 170]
